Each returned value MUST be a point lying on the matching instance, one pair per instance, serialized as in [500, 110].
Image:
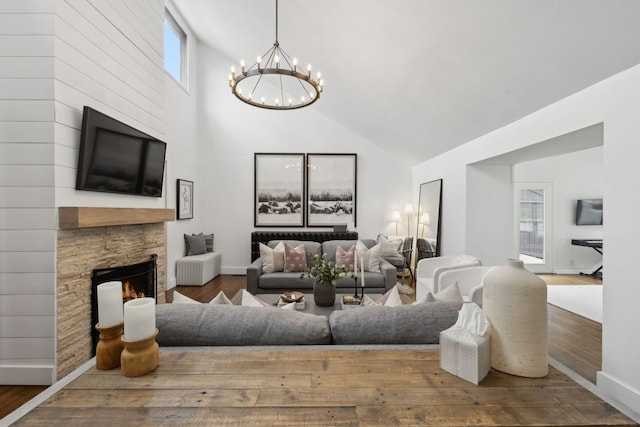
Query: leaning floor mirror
[429, 219]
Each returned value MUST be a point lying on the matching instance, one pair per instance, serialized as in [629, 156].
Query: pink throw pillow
[345, 257]
[295, 259]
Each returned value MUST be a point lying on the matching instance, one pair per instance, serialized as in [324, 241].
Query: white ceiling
[427, 75]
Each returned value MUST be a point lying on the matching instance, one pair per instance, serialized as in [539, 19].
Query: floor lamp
[408, 210]
[396, 218]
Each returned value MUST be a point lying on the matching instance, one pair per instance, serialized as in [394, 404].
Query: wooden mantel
[83, 217]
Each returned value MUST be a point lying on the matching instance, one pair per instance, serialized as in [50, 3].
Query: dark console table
[595, 244]
[314, 236]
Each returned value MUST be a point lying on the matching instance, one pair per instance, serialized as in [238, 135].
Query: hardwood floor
[573, 340]
[317, 387]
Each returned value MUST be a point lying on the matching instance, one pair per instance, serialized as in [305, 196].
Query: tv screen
[117, 158]
[589, 212]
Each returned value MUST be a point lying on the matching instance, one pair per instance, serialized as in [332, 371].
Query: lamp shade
[396, 216]
[408, 209]
[424, 219]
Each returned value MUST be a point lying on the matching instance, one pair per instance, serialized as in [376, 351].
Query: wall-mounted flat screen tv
[589, 212]
[116, 158]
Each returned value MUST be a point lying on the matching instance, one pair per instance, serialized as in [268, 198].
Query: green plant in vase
[326, 274]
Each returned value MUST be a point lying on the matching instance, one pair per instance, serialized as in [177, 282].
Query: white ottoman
[464, 354]
[196, 270]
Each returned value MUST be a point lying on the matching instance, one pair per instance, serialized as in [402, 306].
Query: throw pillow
[249, 300]
[178, 298]
[208, 240]
[345, 257]
[391, 246]
[450, 293]
[427, 298]
[369, 257]
[295, 259]
[221, 299]
[272, 259]
[391, 298]
[195, 244]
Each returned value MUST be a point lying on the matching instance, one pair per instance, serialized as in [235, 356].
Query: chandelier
[274, 81]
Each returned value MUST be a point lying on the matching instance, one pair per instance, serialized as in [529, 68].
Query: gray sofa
[260, 282]
[231, 325]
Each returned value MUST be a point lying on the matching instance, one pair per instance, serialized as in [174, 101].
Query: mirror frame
[422, 196]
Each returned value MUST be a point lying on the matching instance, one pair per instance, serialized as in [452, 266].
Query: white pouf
[515, 304]
[464, 354]
[196, 270]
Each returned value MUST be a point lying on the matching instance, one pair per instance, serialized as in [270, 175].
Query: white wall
[27, 214]
[56, 57]
[231, 132]
[184, 148]
[613, 102]
[577, 175]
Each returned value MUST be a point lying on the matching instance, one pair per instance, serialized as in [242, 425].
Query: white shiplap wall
[55, 57]
[27, 214]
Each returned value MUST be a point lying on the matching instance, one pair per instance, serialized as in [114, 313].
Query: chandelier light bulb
[262, 99]
[251, 97]
[309, 70]
[258, 61]
[302, 99]
[242, 65]
[233, 72]
[290, 102]
[277, 102]
[295, 64]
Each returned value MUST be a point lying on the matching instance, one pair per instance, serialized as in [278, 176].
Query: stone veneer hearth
[79, 252]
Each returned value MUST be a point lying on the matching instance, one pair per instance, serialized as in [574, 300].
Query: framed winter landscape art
[279, 189]
[331, 189]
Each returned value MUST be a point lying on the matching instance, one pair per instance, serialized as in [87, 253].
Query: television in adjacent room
[117, 158]
[589, 212]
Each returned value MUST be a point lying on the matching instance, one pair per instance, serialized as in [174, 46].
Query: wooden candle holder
[140, 357]
[109, 346]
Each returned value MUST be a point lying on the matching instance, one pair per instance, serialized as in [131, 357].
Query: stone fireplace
[94, 239]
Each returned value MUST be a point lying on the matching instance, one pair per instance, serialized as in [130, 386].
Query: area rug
[583, 300]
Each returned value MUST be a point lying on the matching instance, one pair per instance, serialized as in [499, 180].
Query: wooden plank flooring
[317, 388]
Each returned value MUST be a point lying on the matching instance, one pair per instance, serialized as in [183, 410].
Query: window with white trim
[175, 47]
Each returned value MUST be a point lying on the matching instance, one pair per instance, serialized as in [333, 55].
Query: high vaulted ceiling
[425, 76]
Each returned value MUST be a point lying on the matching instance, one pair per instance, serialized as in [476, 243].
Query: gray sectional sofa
[260, 282]
[231, 325]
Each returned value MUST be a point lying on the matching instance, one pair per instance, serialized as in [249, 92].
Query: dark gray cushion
[212, 324]
[407, 324]
[195, 244]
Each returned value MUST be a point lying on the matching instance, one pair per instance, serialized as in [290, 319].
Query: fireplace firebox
[138, 281]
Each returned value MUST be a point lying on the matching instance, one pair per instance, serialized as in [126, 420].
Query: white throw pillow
[272, 259]
[369, 257]
[221, 299]
[391, 298]
[450, 293]
[249, 300]
[178, 298]
[391, 246]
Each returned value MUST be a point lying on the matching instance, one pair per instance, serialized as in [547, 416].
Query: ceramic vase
[515, 304]
[324, 294]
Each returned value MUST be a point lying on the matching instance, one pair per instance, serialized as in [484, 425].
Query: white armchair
[428, 271]
[469, 281]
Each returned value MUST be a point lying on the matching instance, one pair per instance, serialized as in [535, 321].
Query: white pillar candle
[355, 261]
[139, 319]
[109, 304]
[362, 262]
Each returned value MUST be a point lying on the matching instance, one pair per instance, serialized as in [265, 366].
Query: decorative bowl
[291, 296]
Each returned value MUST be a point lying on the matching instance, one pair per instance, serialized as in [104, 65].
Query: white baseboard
[626, 399]
[27, 375]
[568, 271]
[234, 271]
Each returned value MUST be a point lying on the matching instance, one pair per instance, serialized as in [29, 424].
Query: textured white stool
[464, 354]
[196, 270]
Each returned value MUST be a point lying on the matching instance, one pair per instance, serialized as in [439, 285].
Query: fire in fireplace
[138, 281]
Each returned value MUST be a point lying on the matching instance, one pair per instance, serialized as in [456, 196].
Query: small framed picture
[185, 199]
